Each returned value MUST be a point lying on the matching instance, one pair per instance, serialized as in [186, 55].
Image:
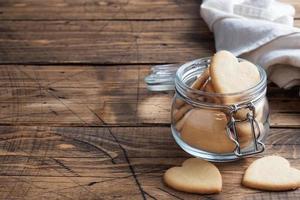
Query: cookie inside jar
[201, 111]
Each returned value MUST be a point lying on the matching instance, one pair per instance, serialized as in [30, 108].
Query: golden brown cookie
[194, 176]
[272, 173]
[259, 111]
[228, 75]
[245, 134]
[180, 123]
[205, 129]
[198, 84]
[178, 114]
[209, 88]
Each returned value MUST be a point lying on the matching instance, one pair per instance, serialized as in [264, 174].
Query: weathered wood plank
[35, 188]
[96, 41]
[92, 96]
[96, 152]
[40, 162]
[117, 26]
[104, 10]
[92, 9]
[43, 188]
[125, 45]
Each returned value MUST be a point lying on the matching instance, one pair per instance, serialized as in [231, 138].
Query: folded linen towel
[260, 31]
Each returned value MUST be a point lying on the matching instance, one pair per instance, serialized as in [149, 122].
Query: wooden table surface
[76, 119]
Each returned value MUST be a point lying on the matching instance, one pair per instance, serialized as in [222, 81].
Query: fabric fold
[268, 41]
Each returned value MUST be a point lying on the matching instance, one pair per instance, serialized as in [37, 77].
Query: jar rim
[179, 82]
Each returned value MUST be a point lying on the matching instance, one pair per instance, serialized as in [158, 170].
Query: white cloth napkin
[260, 31]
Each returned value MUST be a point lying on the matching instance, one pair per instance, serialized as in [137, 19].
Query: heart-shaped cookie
[272, 173]
[194, 176]
[228, 75]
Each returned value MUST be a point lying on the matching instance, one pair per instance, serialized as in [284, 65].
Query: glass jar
[214, 126]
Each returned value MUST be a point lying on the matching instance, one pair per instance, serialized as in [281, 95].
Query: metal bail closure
[258, 146]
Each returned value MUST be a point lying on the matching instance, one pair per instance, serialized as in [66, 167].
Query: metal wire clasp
[233, 135]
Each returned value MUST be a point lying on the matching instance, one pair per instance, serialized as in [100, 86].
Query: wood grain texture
[99, 47]
[76, 119]
[99, 10]
[103, 42]
[89, 41]
[104, 10]
[92, 96]
[73, 43]
[85, 162]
